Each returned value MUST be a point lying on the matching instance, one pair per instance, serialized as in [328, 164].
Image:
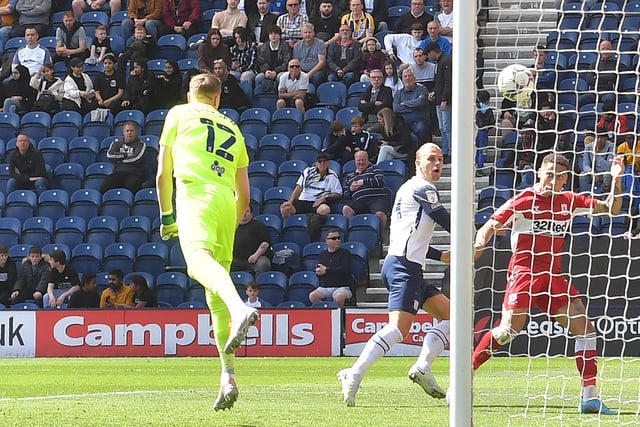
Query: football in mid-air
[516, 83]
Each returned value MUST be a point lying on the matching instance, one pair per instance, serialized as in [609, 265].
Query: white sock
[435, 340]
[589, 392]
[376, 347]
[226, 375]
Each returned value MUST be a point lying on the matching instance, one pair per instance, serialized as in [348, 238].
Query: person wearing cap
[596, 164]
[315, 189]
[404, 44]
[109, 85]
[441, 94]
[79, 94]
[416, 15]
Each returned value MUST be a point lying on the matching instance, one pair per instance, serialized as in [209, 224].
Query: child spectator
[485, 119]
[362, 139]
[337, 145]
[372, 58]
[253, 292]
[30, 284]
[87, 296]
[141, 45]
[49, 90]
[100, 47]
[8, 276]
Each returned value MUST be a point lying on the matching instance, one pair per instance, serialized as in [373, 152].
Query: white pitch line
[80, 396]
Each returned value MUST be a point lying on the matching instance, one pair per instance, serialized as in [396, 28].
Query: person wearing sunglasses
[334, 272]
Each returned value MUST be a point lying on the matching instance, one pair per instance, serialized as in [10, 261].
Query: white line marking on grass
[83, 395]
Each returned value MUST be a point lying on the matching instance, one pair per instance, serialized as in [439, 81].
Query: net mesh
[584, 58]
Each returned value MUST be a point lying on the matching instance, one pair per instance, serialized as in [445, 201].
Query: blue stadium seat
[176, 260]
[134, 230]
[117, 202]
[124, 116]
[14, 44]
[292, 254]
[54, 150]
[4, 177]
[492, 197]
[105, 143]
[83, 150]
[87, 258]
[115, 24]
[311, 254]
[273, 198]
[196, 38]
[332, 95]
[156, 66]
[53, 204]
[93, 71]
[325, 304]
[56, 21]
[266, 100]
[305, 147]
[359, 260]
[2, 150]
[188, 63]
[291, 304]
[335, 221]
[154, 121]
[69, 231]
[152, 258]
[36, 124]
[251, 142]
[262, 174]
[145, 203]
[117, 43]
[10, 229]
[96, 173]
[346, 114]
[25, 306]
[171, 46]
[20, 204]
[255, 121]
[301, 284]
[354, 93]
[286, 121]
[502, 176]
[192, 304]
[90, 20]
[18, 252]
[99, 129]
[68, 176]
[395, 172]
[240, 280]
[273, 147]
[9, 125]
[289, 172]
[37, 231]
[255, 199]
[147, 277]
[119, 255]
[171, 287]
[394, 13]
[66, 124]
[273, 224]
[365, 228]
[102, 230]
[207, 17]
[85, 203]
[294, 229]
[273, 285]
[231, 113]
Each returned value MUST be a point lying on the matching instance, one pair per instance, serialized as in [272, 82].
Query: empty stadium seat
[68, 176]
[117, 202]
[305, 147]
[134, 230]
[300, 285]
[286, 121]
[366, 229]
[10, 229]
[96, 173]
[99, 129]
[53, 150]
[273, 147]
[240, 279]
[53, 204]
[121, 256]
[20, 204]
[86, 258]
[85, 203]
[255, 121]
[66, 124]
[36, 124]
[311, 255]
[102, 230]
[273, 286]
[154, 121]
[332, 95]
[171, 46]
[9, 125]
[152, 258]
[317, 120]
[289, 172]
[171, 287]
[346, 114]
[273, 198]
[18, 252]
[83, 150]
[273, 224]
[145, 203]
[69, 231]
[262, 174]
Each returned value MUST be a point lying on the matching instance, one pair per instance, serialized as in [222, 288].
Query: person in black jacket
[26, 167]
[259, 22]
[31, 282]
[8, 275]
[19, 94]
[139, 90]
[128, 157]
[441, 94]
[375, 98]
[334, 271]
[396, 141]
[231, 94]
[87, 296]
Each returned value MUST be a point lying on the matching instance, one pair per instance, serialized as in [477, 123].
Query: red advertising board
[151, 333]
[361, 324]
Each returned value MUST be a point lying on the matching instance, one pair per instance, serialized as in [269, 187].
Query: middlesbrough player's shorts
[408, 290]
[549, 292]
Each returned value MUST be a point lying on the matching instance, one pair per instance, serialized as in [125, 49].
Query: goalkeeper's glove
[168, 227]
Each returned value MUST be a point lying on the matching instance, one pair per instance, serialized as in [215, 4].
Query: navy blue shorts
[369, 205]
[408, 290]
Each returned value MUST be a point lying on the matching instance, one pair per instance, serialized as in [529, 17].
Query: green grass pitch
[299, 392]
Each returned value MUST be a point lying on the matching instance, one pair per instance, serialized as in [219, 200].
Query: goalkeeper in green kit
[205, 152]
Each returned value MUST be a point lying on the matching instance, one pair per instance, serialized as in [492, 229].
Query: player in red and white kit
[540, 217]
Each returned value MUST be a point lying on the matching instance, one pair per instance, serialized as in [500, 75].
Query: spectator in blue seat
[596, 164]
[61, 276]
[8, 276]
[168, 87]
[273, 57]
[433, 35]
[312, 54]
[49, 90]
[412, 104]
[325, 22]
[87, 296]
[33, 56]
[252, 290]
[231, 94]
[141, 45]
[260, 22]
[79, 94]
[343, 58]
[373, 99]
[416, 15]
[100, 46]
[19, 94]
[143, 296]
[603, 74]
[334, 271]
[128, 157]
[243, 57]
[252, 245]
[143, 13]
[31, 14]
[181, 17]
[211, 49]
[117, 295]
[139, 91]
[80, 7]
[372, 58]
[109, 85]
[337, 145]
[27, 169]
[30, 284]
[364, 190]
[395, 139]
[71, 40]
[293, 88]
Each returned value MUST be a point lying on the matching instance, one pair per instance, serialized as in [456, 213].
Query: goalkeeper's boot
[350, 384]
[427, 381]
[239, 328]
[595, 406]
[227, 396]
